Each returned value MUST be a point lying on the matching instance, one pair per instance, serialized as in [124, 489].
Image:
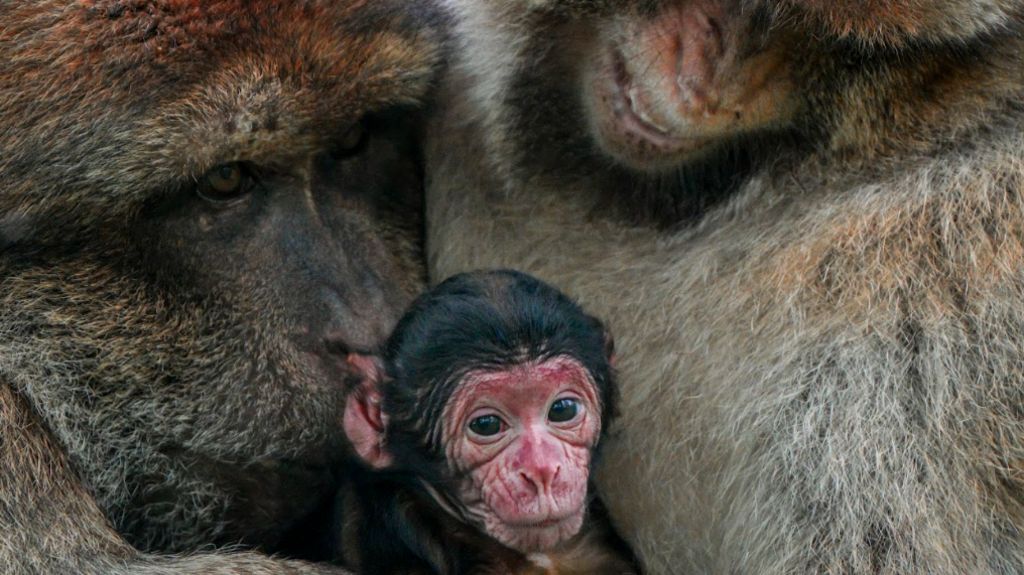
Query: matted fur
[822, 374]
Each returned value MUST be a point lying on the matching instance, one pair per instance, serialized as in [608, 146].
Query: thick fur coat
[168, 371]
[821, 372]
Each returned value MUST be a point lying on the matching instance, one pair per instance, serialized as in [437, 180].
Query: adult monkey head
[204, 206]
[632, 90]
[678, 100]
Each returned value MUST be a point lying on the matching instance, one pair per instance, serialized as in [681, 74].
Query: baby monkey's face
[492, 393]
[522, 439]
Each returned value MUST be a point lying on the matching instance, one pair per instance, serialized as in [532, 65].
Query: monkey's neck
[407, 526]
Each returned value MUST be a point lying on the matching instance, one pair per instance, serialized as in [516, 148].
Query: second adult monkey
[480, 424]
[804, 219]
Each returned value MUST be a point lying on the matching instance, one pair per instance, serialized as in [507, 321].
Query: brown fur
[821, 373]
[898, 22]
[169, 377]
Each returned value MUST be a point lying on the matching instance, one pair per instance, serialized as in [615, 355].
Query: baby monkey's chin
[538, 537]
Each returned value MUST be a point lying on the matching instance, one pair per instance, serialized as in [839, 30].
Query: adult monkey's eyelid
[352, 141]
[225, 183]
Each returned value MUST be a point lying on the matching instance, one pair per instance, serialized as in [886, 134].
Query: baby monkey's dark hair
[481, 321]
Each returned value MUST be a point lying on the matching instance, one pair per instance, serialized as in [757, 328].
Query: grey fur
[824, 374]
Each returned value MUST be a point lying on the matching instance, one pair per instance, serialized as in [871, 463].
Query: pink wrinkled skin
[527, 485]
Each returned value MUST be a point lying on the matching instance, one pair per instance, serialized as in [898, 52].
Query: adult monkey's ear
[364, 420]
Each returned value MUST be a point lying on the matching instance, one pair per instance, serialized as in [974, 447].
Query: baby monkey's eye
[486, 425]
[563, 410]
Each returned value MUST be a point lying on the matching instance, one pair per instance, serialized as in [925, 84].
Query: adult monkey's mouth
[630, 109]
[652, 97]
[663, 91]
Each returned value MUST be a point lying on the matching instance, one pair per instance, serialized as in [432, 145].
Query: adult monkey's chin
[537, 537]
[663, 91]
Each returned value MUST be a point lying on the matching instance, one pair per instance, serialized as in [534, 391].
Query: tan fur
[823, 374]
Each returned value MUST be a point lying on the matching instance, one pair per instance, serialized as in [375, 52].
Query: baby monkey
[477, 427]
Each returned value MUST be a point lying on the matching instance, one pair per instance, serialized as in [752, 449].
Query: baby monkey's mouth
[543, 535]
[547, 522]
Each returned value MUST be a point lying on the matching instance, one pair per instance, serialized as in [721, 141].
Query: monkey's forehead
[178, 84]
[880, 23]
[365, 47]
[532, 382]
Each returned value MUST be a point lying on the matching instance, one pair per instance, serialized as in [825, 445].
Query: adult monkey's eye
[563, 410]
[352, 141]
[224, 183]
[486, 425]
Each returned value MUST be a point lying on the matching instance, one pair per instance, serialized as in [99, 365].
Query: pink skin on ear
[527, 476]
[364, 422]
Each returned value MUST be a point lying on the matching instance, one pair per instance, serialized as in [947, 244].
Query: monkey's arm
[50, 523]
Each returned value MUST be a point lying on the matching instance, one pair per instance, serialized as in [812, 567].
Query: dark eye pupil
[563, 410]
[225, 178]
[352, 139]
[485, 425]
[223, 182]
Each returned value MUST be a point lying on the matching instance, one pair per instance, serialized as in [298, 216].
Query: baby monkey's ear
[364, 420]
